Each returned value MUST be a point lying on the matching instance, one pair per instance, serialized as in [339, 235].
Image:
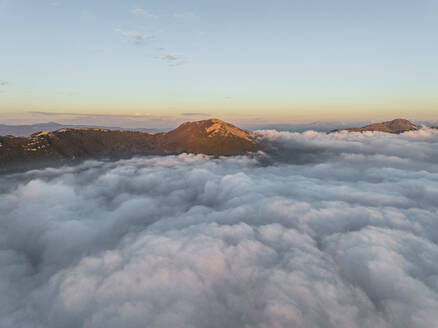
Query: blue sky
[247, 61]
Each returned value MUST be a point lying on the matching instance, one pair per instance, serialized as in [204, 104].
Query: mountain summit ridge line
[210, 137]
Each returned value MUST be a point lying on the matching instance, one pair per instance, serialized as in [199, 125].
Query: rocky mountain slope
[394, 126]
[210, 137]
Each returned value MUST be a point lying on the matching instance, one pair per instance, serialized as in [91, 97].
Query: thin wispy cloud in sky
[174, 59]
[196, 114]
[185, 15]
[137, 37]
[91, 115]
[142, 13]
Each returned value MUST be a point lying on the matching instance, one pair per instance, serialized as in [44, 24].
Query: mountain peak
[210, 128]
[398, 125]
[204, 123]
[398, 121]
[216, 121]
[211, 137]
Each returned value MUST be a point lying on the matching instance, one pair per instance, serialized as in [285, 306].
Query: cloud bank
[335, 230]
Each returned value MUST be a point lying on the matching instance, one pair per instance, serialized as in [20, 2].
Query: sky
[153, 63]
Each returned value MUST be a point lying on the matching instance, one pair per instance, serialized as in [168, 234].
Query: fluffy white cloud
[336, 230]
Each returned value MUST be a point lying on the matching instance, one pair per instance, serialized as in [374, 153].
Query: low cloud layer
[335, 230]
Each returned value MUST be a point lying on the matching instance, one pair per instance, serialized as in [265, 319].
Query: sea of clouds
[337, 230]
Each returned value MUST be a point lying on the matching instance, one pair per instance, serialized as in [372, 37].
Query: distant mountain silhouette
[210, 137]
[394, 126]
[302, 127]
[28, 129]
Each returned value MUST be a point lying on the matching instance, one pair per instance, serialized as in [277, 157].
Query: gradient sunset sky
[246, 61]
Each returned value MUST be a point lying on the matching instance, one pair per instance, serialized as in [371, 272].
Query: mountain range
[210, 137]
